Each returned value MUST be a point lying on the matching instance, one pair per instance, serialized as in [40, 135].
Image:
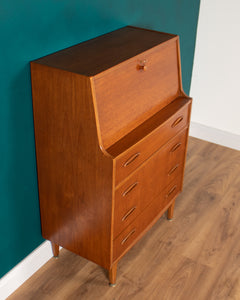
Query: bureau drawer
[137, 88]
[175, 157]
[128, 161]
[148, 181]
[139, 190]
[147, 218]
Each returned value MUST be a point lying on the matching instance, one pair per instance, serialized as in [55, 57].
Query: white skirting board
[215, 136]
[25, 269]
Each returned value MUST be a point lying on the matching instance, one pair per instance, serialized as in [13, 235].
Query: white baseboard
[214, 135]
[25, 269]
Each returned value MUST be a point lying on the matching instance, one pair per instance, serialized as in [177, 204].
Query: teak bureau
[111, 127]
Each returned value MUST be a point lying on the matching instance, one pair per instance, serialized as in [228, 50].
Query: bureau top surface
[99, 54]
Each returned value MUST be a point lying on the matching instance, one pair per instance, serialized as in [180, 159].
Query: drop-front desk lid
[133, 73]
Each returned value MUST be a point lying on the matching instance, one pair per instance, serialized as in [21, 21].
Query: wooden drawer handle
[131, 159]
[128, 213]
[171, 191]
[175, 147]
[128, 236]
[177, 121]
[173, 169]
[130, 188]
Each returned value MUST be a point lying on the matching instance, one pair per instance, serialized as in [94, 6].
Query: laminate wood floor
[196, 256]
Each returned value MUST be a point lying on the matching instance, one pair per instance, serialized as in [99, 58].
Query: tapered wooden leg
[170, 211]
[55, 250]
[113, 275]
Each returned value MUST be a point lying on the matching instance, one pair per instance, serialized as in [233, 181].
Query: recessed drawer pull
[176, 122]
[128, 236]
[173, 169]
[131, 159]
[175, 147]
[171, 191]
[130, 188]
[128, 213]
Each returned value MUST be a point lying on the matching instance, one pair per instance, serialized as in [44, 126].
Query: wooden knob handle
[142, 67]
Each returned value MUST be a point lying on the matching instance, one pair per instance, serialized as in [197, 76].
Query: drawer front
[148, 181]
[175, 157]
[132, 158]
[138, 191]
[144, 83]
[148, 217]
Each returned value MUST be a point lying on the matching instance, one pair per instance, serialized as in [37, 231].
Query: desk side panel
[74, 176]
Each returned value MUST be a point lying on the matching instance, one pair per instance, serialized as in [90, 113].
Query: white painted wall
[215, 84]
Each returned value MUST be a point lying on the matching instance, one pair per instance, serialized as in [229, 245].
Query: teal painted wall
[29, 30]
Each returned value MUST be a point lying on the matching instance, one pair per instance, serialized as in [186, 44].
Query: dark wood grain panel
[97, 55]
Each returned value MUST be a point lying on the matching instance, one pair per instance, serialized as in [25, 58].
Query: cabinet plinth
[111, 127]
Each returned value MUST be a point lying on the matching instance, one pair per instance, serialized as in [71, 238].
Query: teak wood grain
[106, 112]
[196, 256]
[66, 173]
[146, 219]
[145, 92]
[147, 182]
[149, 137]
